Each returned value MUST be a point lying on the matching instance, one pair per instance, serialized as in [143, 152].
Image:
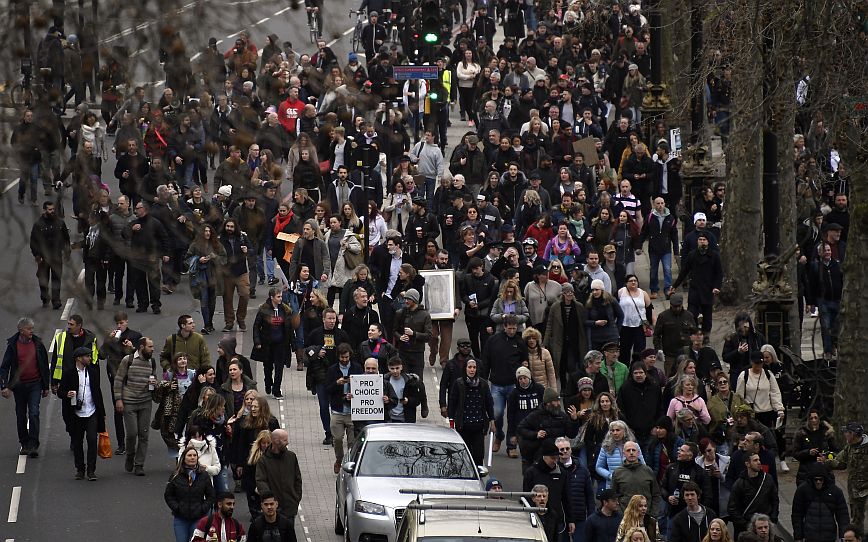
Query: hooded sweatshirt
[661, 232]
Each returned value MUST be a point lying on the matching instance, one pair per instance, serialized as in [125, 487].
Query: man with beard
[278, 472]
[136, 377]
[549, 473]
[250, 219]
[130, 170]
[220, 526]
[236, 275]
[544, 425]
[233, 172]
[681, 472]
[358, 318]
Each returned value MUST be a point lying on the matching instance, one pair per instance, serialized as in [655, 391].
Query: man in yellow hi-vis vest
[65, 344]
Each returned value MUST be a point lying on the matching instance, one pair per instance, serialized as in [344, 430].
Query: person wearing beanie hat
[548, 472]
[413, 329]
[526, 397]
[585, 383]
[700, 223]
[545, 424]
[83, 413]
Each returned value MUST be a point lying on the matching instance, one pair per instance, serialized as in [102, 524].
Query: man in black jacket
[85, 417]
[385, 261]
[691, 523]
[236, 275]
[24, 375]
[478, 291]
[356, 320]
[706, 276]
[661, 231]
[754, 493]
[819, 509]
[320, 353]
[667, 176]
[503, 354]
[544, 425]
[640, 401]
[49, 244]
[681, 472]
[271, 525]
[149, 246]
[452, 370]
[548, 472]
[337, 386]
[826, 284]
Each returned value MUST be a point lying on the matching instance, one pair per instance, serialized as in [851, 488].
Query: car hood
[385, 491]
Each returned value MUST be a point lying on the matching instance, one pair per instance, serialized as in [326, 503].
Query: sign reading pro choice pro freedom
[367, 402]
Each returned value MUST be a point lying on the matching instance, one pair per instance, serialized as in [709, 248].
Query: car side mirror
[483, 471]
[349, 467]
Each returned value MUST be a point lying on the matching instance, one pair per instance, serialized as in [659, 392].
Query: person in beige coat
[349, 242]
[542, 369]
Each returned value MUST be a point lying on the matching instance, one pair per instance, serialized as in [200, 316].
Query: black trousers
[49, 273]
[95, 278]
[147, 285]
[84, 429]
[474, 437]
[120, 431]
[273, 367]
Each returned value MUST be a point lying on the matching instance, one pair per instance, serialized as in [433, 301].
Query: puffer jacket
[188, 498]
[819, 514]
[580, 491]
[542, 369]
[207, 448]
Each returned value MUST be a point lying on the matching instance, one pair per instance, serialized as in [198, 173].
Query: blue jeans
[656, 260]
[183, 528]
[324, 411]
[500, 395]
[221, 480]
[530, 20]
[829, 323]
[269, 266]
[27, 397]
[29, 177]
[578, 535]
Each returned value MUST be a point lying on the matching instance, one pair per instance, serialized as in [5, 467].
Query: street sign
[367, 401]
[415, 72]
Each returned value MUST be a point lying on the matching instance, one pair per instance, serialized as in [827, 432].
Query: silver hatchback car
[388, 457]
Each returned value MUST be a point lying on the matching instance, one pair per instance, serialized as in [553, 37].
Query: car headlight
[370, 508]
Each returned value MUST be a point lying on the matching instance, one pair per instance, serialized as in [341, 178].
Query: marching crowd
[332, 188]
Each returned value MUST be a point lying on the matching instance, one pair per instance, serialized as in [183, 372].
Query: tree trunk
[741, 244]
[852, 381]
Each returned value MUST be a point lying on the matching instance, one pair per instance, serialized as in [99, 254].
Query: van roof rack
[467, 493]
[470, 507]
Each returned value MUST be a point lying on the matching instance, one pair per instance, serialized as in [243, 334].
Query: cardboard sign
[367, 402]
[587, 148]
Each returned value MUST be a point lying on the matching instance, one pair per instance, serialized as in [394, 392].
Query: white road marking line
[81, 276]
[231, 36]
[194, 57]
[348, 31]
[10, 540]
[306, 531]
[13, 504]
[67, 309]
[260, 21]
[22, 464]
[11, 185]
[143, 26]
[137, 53]
[53, 340]
[284, 10]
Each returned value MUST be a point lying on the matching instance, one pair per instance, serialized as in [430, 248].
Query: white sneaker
[784, 466]
[815, 313]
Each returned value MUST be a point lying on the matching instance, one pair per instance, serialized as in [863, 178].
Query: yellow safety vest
[60, 344]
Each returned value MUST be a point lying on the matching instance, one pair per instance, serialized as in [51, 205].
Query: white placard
[367, 402]
[675, 141]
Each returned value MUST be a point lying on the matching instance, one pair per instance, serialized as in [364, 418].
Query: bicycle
[357, 30]
[313, 24]
[20, 94]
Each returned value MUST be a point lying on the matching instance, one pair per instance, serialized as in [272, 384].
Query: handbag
[104, 445]
[646, 327]
[353, 260]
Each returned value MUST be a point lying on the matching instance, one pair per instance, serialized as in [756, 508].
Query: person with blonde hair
[248, 477]
[717, 532]
[637, 520]
[509, 301]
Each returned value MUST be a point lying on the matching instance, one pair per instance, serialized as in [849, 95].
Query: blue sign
[416, 72]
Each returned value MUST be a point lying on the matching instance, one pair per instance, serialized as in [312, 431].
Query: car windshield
[415, 459]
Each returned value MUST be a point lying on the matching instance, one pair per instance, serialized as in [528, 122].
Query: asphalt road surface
[39, 499]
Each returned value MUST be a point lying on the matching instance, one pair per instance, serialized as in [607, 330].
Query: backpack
[153, 365]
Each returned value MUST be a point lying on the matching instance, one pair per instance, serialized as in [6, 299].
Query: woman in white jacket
[206, 445]
[759, 388]
[466, 71]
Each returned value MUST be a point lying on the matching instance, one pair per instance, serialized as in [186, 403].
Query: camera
[78, 404]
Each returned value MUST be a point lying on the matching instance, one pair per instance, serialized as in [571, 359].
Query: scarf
[472, 382]
[280, 224]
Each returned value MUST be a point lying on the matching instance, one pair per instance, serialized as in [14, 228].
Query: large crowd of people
[332, 190]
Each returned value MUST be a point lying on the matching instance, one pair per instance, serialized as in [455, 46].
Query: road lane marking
[260, 21]
[348, 30]
[230, 36]
[67, 309]
[22, 464]
[282, 11]
[11, 185]
[13, 505]
[53, 340]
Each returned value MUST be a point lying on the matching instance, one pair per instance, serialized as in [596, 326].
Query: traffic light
[431, 21]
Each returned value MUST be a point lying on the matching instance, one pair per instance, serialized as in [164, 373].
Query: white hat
[597, 284]
[699, 216]
[225, 190]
